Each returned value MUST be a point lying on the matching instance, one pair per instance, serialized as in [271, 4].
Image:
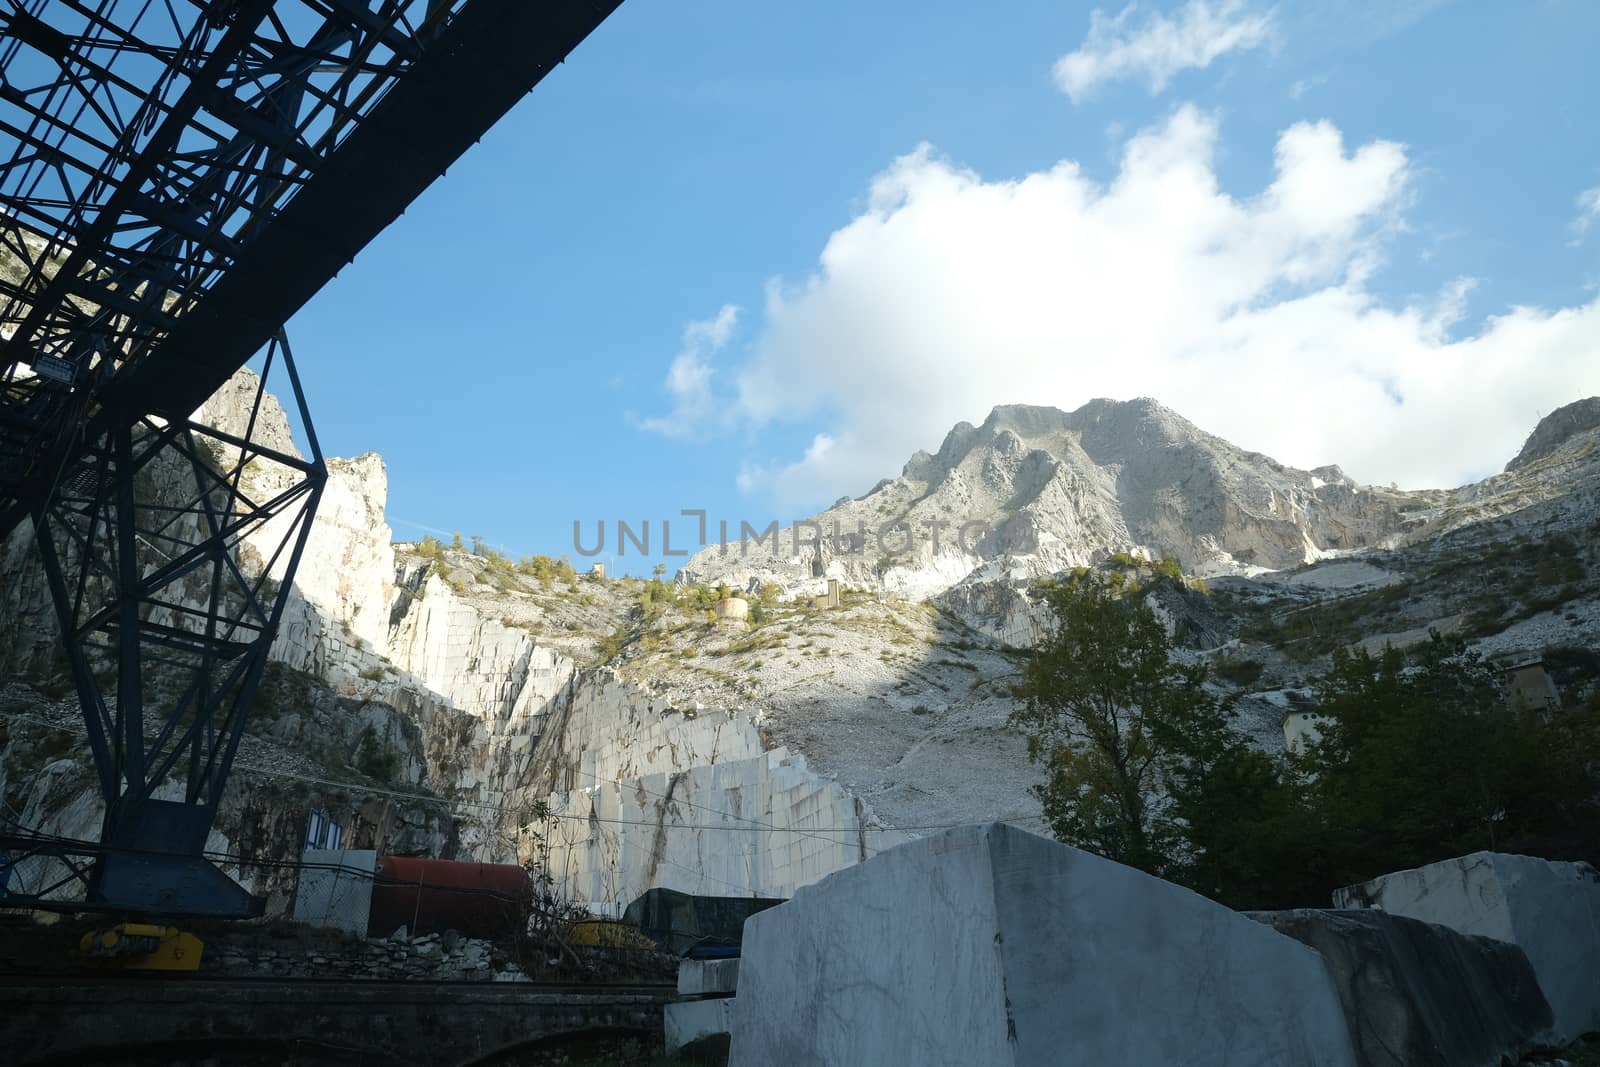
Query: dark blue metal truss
[177, 178]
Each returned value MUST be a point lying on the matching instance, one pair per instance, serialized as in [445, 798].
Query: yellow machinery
[605, 933]
[143, 947]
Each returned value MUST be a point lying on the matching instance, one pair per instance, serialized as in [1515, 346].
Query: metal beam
[165, 629]
[182, 178]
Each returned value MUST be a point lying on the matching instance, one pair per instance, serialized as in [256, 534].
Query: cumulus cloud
[1252, 315]
[694, 404]
[1159, 47]
[1588, 214]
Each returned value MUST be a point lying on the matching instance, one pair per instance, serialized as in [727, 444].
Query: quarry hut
[1300, 728]
[1528, 685]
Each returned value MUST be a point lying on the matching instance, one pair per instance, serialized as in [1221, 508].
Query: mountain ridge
[1054, 489]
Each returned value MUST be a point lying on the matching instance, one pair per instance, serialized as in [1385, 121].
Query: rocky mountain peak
[1026, 420]
[1038, 420]
[1332, 474]
[1556, 429]
[1011, 429]
[1057, 489]
[232, 407]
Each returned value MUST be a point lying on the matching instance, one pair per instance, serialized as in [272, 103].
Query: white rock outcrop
[611, 730]
[345, 581]
[989, 945]
[482, 666]
[471, 690]
[1552, 910]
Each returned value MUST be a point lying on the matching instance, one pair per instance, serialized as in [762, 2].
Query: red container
[429, 896]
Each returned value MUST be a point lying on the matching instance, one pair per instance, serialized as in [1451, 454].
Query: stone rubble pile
[432, 957]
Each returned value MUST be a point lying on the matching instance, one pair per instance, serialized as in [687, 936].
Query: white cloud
[1251, 315]
[1305, 85]
[694, 405]
[1160, 47]
[1588, 215]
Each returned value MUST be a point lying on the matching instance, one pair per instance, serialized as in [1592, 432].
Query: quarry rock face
[1551, 910]
[761, 826]
[1417, 994]
[346, 575]
[481, 665]
[985, 944]
[431, 687]
[415, 672]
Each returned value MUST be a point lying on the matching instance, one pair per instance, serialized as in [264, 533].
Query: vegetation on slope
[1419, 759]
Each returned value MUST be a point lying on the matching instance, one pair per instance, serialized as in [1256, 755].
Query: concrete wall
[335, 890]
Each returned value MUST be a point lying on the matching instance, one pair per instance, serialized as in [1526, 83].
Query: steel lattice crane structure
[177, 179]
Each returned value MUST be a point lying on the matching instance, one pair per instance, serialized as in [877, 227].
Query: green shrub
[1240, 672]
[375, 761]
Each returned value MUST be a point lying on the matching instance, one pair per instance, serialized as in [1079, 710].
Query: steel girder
[183, 175]
[167, 549]
[177, 179]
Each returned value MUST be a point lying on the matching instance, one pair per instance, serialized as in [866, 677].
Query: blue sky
[1308, 228]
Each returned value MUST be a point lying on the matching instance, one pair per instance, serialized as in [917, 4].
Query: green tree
[1418, 762]
[1098, 696]
[1245, 834]
[1143, 764]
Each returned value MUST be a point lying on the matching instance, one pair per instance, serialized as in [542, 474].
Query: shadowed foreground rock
[1418, 994]
[1552, 910]
[989, 945]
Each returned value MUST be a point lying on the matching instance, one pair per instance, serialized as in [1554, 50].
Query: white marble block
[986, 944]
